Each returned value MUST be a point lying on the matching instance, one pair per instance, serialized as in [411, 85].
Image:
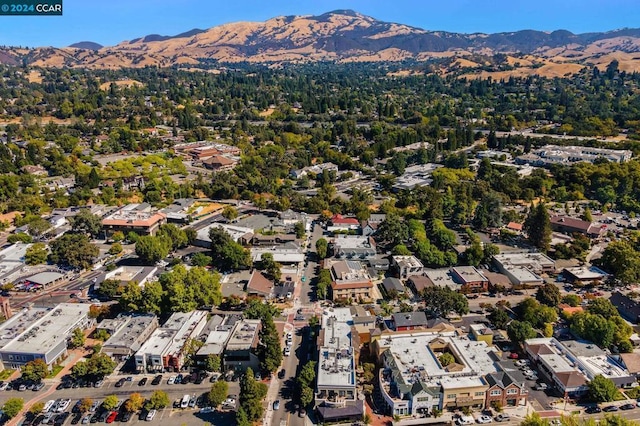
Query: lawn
[54, 371]
[4, 374]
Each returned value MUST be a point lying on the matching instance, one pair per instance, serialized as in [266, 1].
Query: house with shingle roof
[259, 285]
[505, 389]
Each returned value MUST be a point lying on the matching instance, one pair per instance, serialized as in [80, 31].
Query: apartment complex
[407, 266]
[241, 348]
[351, 280]
[353, 247]
[555, 154]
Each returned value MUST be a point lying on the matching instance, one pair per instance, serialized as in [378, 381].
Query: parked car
[540, 386]
[465, 420]
[171, 380]
[593, 410]
[112, 417]
[206, 410]
[610, 409]
[48, 405]
[282, 373]
[287, 351]
[276, 405]
[142, 381]
[120, 382]
[98, 383]
[484, 419]
[214, 377]
[86, 419]
[38, 386]
[627, 406]
[150, 415]
[502, 417]
[156, 380]
[126, 416]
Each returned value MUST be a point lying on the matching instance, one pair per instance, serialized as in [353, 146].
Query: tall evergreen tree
[538, 227]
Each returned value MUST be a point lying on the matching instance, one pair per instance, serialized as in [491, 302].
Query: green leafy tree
[176, 236]
[109, 288]
[440, 301]
[401, 250]
[116, 248]
[252, 393]
[77, 338]
[117, 237]
[86, 223]
[35, 370]
[622, 260]
[158, 400]
[201, 259]
[218, 393]
[36, 254]
[321, 248]
[519, 331]
[549, 295]
[299, 229]
[74, 250]
[134, 403]
[152, 249]
[306, 396]
[230, 213]
[20, 237]
[572, 300]
[499, 318]
[12, 407]
[213, 363]
[270, 267]
[446, 359]
[392, 231]
[229, 255]
[36, 408]
[38, 227]
[602, 307]
[270, 349]
[538, 227]
[601, 389]
[110, 402]
[132, 298]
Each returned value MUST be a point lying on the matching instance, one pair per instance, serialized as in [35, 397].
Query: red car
[513, 355]
[112, 417]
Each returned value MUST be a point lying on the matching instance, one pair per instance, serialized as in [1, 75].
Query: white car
[206, 410]
[4, 386]
[171, 380]
[287, 351]
[63, 405]
[522, 362]
[464, 420]
[150, 415]
[48, 405]
[484, 419]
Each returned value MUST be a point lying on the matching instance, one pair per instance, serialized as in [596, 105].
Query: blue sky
[110, 21]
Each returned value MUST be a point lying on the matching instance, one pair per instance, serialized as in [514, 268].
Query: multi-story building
[164, 349]
[555, 154]
[353, 247]
[407, 266]
[350, 281]
[127, 334]
[336, 385]
[35, 333]
[572, 225]
[138, 218]
[470, 278]
[414, 380]
[524, 268]
[506, 389]
[241, 349]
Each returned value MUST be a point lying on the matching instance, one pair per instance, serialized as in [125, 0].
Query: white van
[185, 401]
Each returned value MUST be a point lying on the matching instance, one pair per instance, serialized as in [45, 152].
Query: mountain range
[348, 36]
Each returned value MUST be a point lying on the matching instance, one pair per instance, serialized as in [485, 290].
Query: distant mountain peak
[88, 45]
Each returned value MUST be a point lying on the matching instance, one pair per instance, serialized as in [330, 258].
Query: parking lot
[189, 415]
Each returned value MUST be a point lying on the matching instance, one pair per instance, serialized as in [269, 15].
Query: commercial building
[220, 163]
[336, 386]
[584, 275]
[138, 218]
[239, 234]
[570, 365]
[259, 285]
[626, 306]
[12, 261]
[44, 279]
[41, 333]
[126, 274]
[353, 247]
[571, 225]
[506, 389]
[414, 381]
[555, 154]
[241, 349]
[470, 278]
[343, 224]
[407, 266]
[128, 332]
[289, 254]
[524, 268]
[414, 176]
[351, 280]
[164, 350]
[442, 277]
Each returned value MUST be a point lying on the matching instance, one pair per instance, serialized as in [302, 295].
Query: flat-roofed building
[285, 255]
[407, 266]
[336, 385]
[239, 234]
[138, 218]
[351, 280]
[12, 261]
[471, 278]
[164, 349]
[442, 277]
[353, 247]
[524, 268]
[413, 380]
[241, 350]
[126, 274]
[583, 275]
[41, 333]
[128, 332]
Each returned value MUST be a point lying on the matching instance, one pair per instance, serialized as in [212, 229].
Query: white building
[524, 268]
[407, 266]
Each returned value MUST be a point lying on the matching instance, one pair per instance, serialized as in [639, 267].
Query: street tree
[201, 259]
[74, 250]
[519, 331]
[35, 370]
[77, 338]
[158, 400]
[85, 405]
[321, 248]
[218, 393]
[134, 403]
[499, 318]
[109, 288]
[110, 402]
[213, 362]
[299, 230]
[602, 389]
[36, 408]
[176, 236]
[152, 249]
[230, 213]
